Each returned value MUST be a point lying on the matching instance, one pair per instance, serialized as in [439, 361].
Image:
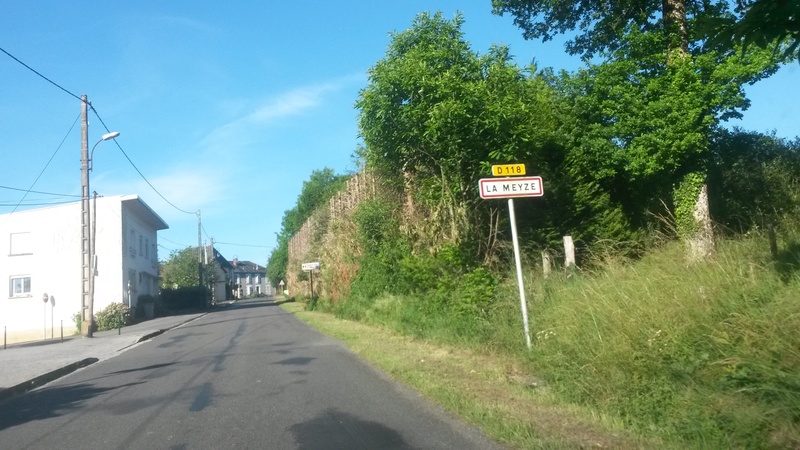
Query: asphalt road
[250, 376]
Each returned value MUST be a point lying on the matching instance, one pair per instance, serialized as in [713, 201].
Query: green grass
[697, 356]
[706, 354]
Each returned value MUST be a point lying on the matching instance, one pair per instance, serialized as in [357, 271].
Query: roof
[138, 206]
[248, 267]
[224, 263]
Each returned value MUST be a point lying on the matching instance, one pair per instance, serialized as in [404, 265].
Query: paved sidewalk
[26, 366]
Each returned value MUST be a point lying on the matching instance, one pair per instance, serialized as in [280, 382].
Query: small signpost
[310, 267]
[282, 284]
[509, 187]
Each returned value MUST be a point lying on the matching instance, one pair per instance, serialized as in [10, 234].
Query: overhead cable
[241, 245]
[37, 73]
[45, 166]
[136, 168]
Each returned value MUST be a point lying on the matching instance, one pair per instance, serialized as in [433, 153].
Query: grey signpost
[310, 267]
[511, 187]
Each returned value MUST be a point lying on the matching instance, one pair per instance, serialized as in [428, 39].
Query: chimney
[235, 262]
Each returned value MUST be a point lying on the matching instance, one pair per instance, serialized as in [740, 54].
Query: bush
[115, 315]
[189, 298]
[77, 319]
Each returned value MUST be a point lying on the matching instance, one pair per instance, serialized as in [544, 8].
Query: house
[250, 279]
[222, 275]
[41, 254]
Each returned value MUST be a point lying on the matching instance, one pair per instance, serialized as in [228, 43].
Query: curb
[46, 378]
[58, 373]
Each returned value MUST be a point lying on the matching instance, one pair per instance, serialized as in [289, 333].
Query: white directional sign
[511, 187]
[311, 266]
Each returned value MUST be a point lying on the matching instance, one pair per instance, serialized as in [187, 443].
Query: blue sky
[225, 107]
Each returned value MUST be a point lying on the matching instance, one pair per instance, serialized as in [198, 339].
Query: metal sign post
[310, 268]
[509, 188]
[523, 304]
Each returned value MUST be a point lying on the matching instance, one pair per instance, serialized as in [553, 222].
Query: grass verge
[491, 391]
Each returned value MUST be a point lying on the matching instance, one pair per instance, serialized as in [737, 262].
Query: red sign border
[506, 195]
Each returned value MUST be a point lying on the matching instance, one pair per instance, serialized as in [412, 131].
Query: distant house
[250, 279]
[223, 275]
[40, 253]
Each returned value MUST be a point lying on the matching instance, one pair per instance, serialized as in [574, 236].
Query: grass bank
[492, 391]
[647, 354]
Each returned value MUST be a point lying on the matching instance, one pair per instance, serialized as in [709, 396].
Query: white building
[40, 253]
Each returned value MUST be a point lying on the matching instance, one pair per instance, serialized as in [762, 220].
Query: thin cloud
[287, 104]
[189, 188]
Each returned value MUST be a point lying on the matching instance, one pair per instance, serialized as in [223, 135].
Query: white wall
[54, 266]
[52, 259]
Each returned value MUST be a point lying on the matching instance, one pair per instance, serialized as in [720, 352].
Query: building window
[256, 277]
[19, 286]
[147, 248]
[132, 245]
[141, 245]
[20, 244]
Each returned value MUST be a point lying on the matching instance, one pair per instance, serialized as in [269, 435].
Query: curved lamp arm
[104, 137]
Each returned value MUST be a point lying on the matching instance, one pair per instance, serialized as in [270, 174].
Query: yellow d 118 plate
[508, 170]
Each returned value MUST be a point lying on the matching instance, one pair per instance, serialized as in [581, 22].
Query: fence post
[773, 242]
[569, 253]
[547, 263]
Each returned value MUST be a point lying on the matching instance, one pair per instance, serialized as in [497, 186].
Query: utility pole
[213, 274]
[86, 250]
[199, 252]
[92, 257]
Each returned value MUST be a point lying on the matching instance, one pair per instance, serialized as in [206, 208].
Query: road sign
[508, 170]
[310, 266]
[511, 187]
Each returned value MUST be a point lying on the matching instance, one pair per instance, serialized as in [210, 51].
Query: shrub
[113, 316]
[189, 298]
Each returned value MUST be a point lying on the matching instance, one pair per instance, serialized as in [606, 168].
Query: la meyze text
[511, 187]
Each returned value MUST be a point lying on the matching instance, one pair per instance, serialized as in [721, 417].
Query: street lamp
[104, 137]
[89, 259]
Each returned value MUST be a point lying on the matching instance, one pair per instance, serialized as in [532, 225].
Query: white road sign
[511, 187]
[310, 266]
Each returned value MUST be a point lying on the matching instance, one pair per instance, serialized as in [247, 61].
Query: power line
[46, 165]
[204, 230]
[241, 245]
[16, 205]
[136, 168]
[37, 73]
[173, 242]
[39, 192]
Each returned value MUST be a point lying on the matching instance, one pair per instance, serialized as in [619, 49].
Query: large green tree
[647, 110]
[317, 190]
[764, 23]
[436, 114]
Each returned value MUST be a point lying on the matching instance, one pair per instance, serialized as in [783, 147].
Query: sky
[225, 108]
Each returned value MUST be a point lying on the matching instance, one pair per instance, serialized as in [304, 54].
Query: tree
[181, 269]
[765, 23]
[316, 191]
[436, 114]
[659, 97]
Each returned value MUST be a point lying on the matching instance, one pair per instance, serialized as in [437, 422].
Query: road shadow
[334, 429]
[48, 403]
